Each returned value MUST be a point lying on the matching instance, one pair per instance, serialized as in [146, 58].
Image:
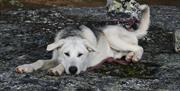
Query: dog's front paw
[26, 68]
[58, 70]
[55, 72]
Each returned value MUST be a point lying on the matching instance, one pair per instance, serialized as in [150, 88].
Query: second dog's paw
[26, 68]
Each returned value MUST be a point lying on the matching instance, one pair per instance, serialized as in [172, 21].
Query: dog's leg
[124, 41]
[136, 51]
[40, 64]
[119, 55]
[58, 70]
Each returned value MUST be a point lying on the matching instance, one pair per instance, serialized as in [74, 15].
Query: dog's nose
[73, 69]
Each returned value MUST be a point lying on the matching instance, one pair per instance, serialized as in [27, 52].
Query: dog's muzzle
[73, 70]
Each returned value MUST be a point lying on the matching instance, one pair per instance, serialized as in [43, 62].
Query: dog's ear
[89, 46]
[88, 34]
[55, 45]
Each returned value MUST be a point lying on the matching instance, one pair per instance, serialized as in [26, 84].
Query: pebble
[177, 40]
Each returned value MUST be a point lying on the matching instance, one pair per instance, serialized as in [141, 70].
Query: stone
[177, 40]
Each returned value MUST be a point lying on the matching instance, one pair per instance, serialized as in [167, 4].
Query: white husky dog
[76, 49]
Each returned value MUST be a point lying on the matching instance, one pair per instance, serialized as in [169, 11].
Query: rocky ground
[25, 33]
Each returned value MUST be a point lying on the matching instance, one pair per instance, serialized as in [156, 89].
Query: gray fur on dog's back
[74, 30]
[69, 32]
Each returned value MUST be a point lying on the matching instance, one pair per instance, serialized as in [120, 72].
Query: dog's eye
[67, 54]
[79, 54]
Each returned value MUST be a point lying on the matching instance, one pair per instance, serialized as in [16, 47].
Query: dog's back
[69, 31]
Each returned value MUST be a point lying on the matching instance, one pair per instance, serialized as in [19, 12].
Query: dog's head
[73, 52]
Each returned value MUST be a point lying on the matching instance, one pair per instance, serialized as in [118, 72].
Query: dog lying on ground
[77, 48]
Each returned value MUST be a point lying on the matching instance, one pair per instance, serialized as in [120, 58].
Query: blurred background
[7, 4]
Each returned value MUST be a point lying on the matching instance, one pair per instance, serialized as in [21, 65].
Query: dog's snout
[73, 69]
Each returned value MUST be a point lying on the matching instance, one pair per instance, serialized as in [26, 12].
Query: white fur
[121, 39]
[115, 41]
[71, 45]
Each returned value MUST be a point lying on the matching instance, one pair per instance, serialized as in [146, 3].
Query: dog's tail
[145, 21]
